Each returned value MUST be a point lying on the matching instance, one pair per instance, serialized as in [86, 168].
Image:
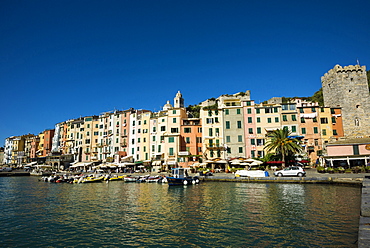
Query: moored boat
[180, 178]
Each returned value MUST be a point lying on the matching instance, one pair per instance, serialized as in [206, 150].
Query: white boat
[251, 173]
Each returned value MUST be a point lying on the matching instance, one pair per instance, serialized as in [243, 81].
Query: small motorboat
[130, 179]
[179, 178]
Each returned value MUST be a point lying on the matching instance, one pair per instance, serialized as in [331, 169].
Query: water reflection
[205, 215]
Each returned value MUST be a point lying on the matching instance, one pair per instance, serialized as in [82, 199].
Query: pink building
[348, 152]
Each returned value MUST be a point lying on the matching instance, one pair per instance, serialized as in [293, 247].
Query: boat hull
[173, 181]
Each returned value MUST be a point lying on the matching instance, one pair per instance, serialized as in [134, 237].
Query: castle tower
[347, 87]
[178, 100]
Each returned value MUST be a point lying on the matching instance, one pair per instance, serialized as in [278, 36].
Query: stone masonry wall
[347, 87]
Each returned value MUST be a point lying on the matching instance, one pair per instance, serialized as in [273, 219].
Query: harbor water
[211, 214]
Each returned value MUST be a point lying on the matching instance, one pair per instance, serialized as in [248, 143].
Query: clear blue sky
[65, 59]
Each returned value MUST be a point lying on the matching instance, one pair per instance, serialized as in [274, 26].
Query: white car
[291, 171]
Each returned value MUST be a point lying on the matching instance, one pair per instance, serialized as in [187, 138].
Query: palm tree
[283, 145]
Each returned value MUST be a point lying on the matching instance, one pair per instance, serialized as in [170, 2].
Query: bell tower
[179, 101]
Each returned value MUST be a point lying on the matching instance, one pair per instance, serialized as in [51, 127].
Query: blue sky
[65, 59]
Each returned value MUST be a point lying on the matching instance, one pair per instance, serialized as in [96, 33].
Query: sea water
[211, 214]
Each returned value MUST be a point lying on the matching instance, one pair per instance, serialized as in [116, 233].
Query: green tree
[193, 110]
[282, 144]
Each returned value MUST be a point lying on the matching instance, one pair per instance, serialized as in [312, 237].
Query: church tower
[347, 87]
[179, 101]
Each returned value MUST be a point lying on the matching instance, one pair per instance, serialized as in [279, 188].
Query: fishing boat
[180, 178]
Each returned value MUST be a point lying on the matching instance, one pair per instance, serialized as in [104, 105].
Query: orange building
[190, 141]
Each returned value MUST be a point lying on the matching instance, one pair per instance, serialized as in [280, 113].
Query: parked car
[291, 171]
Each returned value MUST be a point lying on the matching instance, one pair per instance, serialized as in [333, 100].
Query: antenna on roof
[358, 62]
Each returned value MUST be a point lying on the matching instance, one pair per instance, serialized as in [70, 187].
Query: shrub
[320, 169]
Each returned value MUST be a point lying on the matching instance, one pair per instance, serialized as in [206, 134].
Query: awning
[311, 115]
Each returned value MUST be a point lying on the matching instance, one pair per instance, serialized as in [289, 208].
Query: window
[248, 103]
[250, 130]
[187, 140]
[238, 111]
[315, 130]
[253, 154]
[228, 139]
[355, 150]
[294, 118]
[332, 111]
[260, 142]
[239, 124]
[324, 120]
[253, 142]
[209, 120]
[258, 130]
[171, 151]
[210, 132]
[313, 109]
[174, 130]
[294, 129]
[324, 132]
[249, 119]
[240, 138]
[335, 132]
[240, 149]
[187, 130]
[171, 139]
[174, 112]
[163, 128]
[226, 112]
[314, 119]
[227, 124]
[258, 111]
[249, 111]
[276, 119]
[285, 118]
[258, 119]
[333, 119]
[217, 131]
[216, 119]
[302, 120]
[275, 110]
[269, 120]
[303, 130]
[174, 120]
[301, 110]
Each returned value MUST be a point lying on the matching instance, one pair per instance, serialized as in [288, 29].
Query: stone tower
[347, 87]
[178, 100]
